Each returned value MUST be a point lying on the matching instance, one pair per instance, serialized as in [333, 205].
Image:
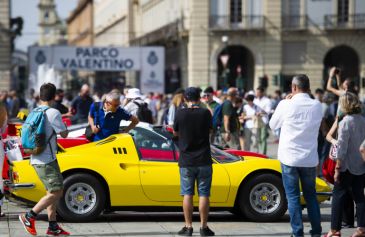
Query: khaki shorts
[50, 175]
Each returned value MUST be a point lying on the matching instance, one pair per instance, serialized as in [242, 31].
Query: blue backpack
[217, 116]
[33, 132]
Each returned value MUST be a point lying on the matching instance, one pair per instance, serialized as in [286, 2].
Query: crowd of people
[309, 128]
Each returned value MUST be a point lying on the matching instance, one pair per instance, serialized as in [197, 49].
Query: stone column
[303, 14]
[352, 13]
[198, 45]
[271, 51]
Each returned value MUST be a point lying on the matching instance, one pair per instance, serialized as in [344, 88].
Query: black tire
[260, 191]
[92, 198]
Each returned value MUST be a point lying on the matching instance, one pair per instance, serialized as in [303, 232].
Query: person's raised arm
[329, 86]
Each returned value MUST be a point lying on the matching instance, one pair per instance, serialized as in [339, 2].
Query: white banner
[153, 70]
[149, 60]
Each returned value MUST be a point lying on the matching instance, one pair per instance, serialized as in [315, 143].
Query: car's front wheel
[83, 198]
[262, 198]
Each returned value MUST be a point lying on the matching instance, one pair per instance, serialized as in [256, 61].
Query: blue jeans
[307, 177]
[201, 174]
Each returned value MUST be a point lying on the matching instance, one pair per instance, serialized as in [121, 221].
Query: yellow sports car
[139, 171]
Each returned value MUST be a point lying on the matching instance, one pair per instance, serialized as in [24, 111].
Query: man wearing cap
[195, 160]
[133, 100]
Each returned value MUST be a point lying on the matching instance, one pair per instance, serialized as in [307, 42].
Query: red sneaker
[28, 224]
[57, 232]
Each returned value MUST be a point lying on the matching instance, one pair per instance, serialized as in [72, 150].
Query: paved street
[157, 224]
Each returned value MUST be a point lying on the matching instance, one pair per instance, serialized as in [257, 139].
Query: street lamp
[225, 39]
[224, 57]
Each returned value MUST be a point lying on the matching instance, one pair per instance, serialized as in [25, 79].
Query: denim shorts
[201, 174]
[50, 175]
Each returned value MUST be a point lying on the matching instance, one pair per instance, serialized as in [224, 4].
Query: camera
[337, 70]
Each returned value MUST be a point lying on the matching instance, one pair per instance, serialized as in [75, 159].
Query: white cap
[133, 93]
[251, 92]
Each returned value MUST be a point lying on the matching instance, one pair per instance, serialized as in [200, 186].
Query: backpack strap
[138, 104]
[49, 142]
[53, 132]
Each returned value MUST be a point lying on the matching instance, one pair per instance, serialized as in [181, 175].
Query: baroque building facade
[243, 43]
[260, 42]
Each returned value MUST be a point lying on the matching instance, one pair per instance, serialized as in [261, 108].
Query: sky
[29, 11]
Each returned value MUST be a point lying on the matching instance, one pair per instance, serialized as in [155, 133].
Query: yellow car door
[159, 171]
[161, 182]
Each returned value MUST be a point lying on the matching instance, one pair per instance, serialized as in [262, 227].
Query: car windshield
[222, 156]
[218, 154]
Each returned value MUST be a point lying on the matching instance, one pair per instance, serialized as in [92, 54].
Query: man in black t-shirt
[57, 103]
[192, 126]
[230, 129]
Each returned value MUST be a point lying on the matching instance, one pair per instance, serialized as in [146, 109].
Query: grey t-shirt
[53, 126]
[351, 133]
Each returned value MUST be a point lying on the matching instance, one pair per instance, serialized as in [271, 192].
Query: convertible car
[139, 171]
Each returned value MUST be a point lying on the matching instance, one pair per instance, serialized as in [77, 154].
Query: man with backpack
[137, 107]
[42, 144]
[105, 117]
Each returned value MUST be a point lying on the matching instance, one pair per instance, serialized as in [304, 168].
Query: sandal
[333, 234]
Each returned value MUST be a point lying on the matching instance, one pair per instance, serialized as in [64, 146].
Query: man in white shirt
[299, 118]
[262, 133]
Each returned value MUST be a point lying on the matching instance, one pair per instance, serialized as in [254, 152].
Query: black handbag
[88, 131]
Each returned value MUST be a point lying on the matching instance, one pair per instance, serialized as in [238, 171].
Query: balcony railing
[291, 22]
[344, 22]
[237, 23]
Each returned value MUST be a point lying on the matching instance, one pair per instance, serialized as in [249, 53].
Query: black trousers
[348, 182]
[348, 217]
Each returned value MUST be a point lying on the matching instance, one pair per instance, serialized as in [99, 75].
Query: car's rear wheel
[262, 198]
[83, 198]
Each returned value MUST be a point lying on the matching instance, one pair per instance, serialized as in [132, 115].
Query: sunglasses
[114, 105]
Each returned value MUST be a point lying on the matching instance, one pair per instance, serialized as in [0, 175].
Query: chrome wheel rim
[80, 198]
[265, 198]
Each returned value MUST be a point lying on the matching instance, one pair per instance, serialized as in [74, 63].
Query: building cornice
[167, 32]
